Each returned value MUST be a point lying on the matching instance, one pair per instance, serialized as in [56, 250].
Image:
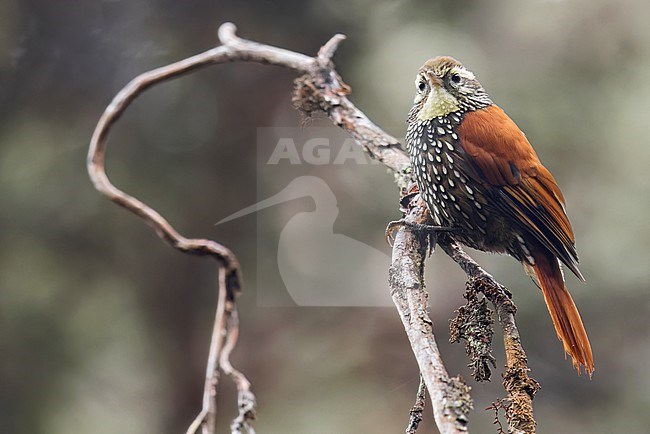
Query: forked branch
[319, 89]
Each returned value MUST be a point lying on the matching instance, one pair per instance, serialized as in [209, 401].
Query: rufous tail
[564, 313]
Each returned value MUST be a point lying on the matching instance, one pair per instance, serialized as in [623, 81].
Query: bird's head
[443, 86]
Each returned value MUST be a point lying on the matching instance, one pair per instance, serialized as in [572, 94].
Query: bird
[479, 176]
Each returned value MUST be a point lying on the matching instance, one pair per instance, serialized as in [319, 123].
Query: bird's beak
[439, 102]
[434, 80]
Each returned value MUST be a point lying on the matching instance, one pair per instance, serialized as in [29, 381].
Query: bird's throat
[439, 102]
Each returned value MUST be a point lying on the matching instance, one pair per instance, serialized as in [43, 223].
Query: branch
[415, 415]
[321, 89]
[207, 418]
[326, 92]
[520, 387]
[449, 397]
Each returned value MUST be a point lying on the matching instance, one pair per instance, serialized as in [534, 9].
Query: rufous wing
[497, 154]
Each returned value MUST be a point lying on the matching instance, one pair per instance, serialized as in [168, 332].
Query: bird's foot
[428, 231]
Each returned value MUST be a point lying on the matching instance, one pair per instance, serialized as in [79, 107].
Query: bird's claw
[390, 230]
[430, 230]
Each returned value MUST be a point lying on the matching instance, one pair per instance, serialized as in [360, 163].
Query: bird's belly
[455, 202]
[453, 196]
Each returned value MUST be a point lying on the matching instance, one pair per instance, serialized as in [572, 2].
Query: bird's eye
[455, 78]
[422, 86]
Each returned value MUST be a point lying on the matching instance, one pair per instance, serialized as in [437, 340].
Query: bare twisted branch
[320, 88]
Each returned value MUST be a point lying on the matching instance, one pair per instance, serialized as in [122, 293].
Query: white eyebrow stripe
[464, 73]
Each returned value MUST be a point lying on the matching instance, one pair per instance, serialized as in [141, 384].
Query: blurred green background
[103, 329]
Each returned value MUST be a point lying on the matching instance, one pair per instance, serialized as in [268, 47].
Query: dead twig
[496, 406]
[415, 415]
[207, 418]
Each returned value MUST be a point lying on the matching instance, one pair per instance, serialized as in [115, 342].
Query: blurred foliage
[104, 329]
